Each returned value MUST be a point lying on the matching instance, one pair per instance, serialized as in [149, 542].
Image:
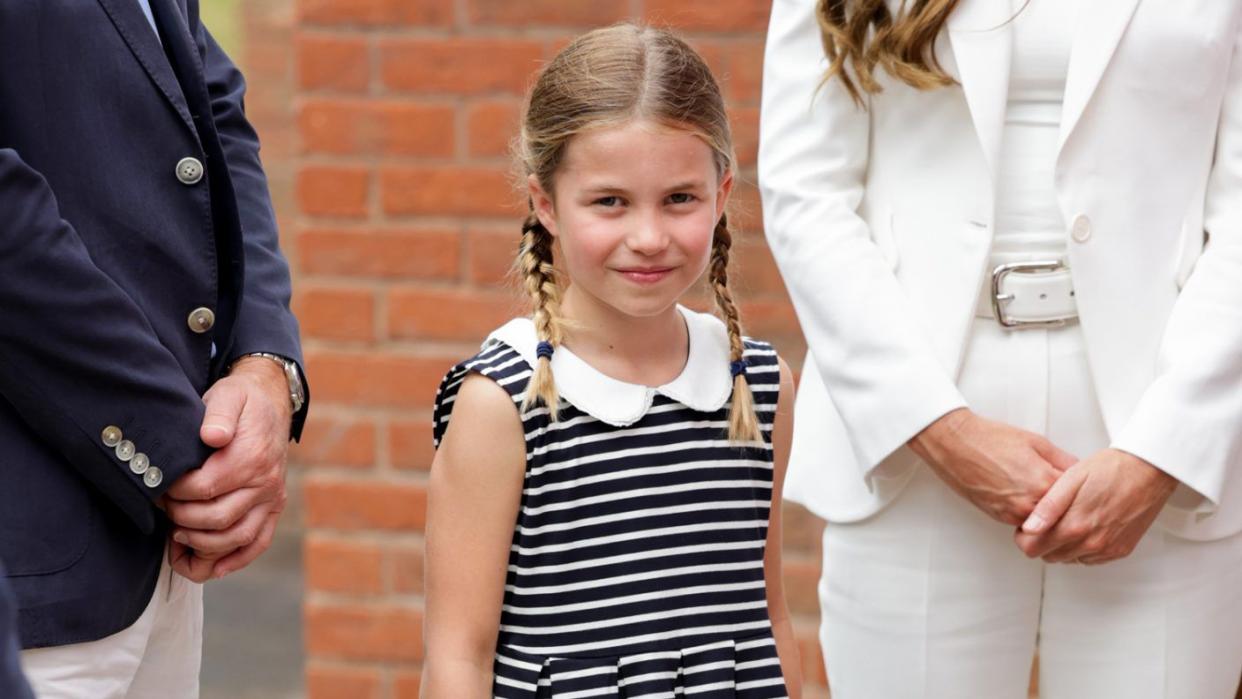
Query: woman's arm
[778, 611]
[474, 494]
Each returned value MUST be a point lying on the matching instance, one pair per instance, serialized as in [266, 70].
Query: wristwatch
[297, 394]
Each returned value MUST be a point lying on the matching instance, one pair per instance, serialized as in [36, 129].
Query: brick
[348, 127]
[333, 191]
[801, 530]
[491, 126]
[755, 272]
[547, 12]
[447, 315]
[491, 253]
[745, 129]
[406, 684]
[709, 15]
[364, 633]
[420, 254]
[342, 683]
[469, 66]
[335, 313]
[415, 129]
[431, 13]
[743, 74]
[768, 320]
[448, 191]
[330, 441]
[811, 657]
[376, 380]
[378, 504]
[406, 563]
[333, 63]
[801, 577]
[345, 566]
[409, 443]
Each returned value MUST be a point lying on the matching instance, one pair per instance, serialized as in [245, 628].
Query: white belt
[1029, 295]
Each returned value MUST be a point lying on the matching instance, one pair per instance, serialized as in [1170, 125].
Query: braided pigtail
[743, 422]
[539, 277]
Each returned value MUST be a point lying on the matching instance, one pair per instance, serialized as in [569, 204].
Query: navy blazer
[114, 258]
[13, 684]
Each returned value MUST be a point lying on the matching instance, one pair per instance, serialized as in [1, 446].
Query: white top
[1029, 223]
[705, 384]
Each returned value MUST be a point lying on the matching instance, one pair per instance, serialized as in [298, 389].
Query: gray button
[1081, 229]
[111, 436]
[201, 320]
[189, 170]
[153, 477]
[139, 463]
[125, 450]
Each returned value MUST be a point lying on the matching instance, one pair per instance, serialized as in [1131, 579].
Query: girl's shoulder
[502, 358]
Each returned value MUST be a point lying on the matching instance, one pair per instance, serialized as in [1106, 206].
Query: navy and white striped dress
[636, 568]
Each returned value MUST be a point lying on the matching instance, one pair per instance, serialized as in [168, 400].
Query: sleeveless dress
[636, 568]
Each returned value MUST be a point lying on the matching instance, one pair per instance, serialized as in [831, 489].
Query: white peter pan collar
[705, 383]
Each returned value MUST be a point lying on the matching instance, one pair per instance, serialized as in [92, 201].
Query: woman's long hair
[861, 35]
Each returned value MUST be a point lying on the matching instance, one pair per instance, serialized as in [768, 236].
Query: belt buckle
[998, 307]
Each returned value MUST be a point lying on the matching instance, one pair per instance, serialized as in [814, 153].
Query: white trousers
[929, 598]
[158, 657]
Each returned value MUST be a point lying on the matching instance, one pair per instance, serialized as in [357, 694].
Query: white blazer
[881, 220]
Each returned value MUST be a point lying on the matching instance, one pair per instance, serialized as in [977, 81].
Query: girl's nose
[647, 237]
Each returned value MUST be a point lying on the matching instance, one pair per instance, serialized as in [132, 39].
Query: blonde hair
[609, 77]
[865, 34]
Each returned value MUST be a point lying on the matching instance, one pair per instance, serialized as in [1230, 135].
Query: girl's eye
[608, 201]
[681, 198]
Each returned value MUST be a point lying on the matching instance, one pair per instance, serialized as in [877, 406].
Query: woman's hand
[1002, 470]
[1097, 511]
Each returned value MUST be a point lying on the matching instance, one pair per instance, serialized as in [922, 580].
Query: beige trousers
[158, 657]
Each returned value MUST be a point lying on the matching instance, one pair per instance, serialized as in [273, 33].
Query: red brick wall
[403, 224]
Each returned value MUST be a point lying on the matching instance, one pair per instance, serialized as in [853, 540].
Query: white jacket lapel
[982, 44]
[1101, 24]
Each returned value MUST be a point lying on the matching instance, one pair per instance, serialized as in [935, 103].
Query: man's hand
[225, 512]
[1000, 469]
[1097, 511]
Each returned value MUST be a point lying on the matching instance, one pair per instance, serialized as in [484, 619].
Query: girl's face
[634, 207]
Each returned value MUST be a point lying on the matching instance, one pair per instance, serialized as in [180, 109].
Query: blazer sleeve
[265, 322]
[1188, 422]
[77, 354]
[878, 368]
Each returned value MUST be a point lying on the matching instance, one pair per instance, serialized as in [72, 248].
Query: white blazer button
[153, 477]
[201, 320]
[1081, 230]
[139, 463]
[125, 450]
[189, 171]
[111, 436]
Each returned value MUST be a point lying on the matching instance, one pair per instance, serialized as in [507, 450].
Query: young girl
[602, 518]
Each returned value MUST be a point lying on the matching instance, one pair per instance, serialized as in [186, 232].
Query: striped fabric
[636, 568]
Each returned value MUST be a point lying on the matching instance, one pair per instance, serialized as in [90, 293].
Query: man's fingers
[221, 473]
[218, 514]
[187, 565]
[225, 403]
[244, 556]
[1054, 504]
[1060, 459]
[213, 544]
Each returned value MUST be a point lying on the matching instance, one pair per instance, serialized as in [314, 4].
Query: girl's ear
[541, 200]
[723, 192]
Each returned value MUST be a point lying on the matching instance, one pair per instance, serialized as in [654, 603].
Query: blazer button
[1081, 229]
[189, 171]
[111, 436]
[125, 450]
[153, 477]
[201, 320]
[139, 463]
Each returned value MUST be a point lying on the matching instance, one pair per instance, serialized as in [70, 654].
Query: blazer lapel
[982, 45]
[1100, 27]
[129, 21]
